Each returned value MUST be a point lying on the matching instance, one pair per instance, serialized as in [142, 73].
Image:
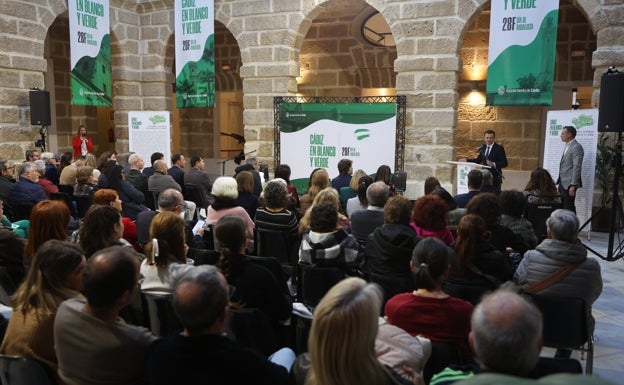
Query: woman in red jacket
[81, 143]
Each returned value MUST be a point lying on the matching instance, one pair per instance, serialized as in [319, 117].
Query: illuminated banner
[150, 132]
[89, 36]
[194, 53]
[521, 59]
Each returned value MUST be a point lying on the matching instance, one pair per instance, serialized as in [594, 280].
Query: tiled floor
[608, 311]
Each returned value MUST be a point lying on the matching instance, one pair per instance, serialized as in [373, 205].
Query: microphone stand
[222, 163]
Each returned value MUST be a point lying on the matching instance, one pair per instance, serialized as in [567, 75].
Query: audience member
[428, 311]
[19, 227]
[364, 222]
[246, 198]
[325, 244]
[131, 198]
[350, 191]
[384, 174]
[109, 197]
[225, 191]
[65, 160]
[138, 179]
[254, 286]
[93, 344]
[283, 171]
[389, 248]
[200, 300]
[274, 215]
[161, 181]
[54, 276]
[200, 178]
[327, 195]
[345, 169]
[506, 337]
[102, 227]
[488, 207]
[165, 255]
[429, 218]
[6, 185]
[51, 171]
[178, 163]
[106, 160]
[149, 171]
[252, 165]
[343, 334]
[541, 188]
[478, 262]
[48, 220]
[359, 202]
[561, 254]
[319, 180]
[475, 181]
[488, 183]
[84, 186]
[91, 161]
[47, 185]
[513, 204]
[430, 184]
[26, 191]
[11, 259]
[31, 155]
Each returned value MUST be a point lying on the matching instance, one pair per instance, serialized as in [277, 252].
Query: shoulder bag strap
[555, 277]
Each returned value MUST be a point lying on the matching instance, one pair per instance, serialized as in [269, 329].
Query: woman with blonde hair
[330, 195]
[165, 254]
[54, 276]
[319, 180]
[342, 337]
[48, 220]
[351, 190]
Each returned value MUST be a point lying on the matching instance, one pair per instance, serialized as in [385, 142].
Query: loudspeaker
[399, 180]
[40, 108]
[611, 107]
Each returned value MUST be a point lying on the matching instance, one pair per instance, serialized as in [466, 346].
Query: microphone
[480, 148]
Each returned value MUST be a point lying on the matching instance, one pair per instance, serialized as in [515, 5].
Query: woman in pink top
[429, 218]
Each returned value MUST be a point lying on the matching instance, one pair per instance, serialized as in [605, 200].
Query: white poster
[586, 124]
[149, 132]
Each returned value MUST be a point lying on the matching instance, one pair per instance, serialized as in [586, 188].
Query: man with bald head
[160, 181]
[506, 337]
[93, 344]
[200, 300]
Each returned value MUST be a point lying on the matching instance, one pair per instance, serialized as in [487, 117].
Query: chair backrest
[23, 371]
[314, 282]
[61, 196]
[203, 256]
[21, 212]
[10, 279]
[552, 365]
[67, 189]
[391, 286]
[83, 202]
[275, 267]
[160, 317]
[565, 320]
[277, 244]
[443, 354]
[251, 327]
[470, 293]
[195, 194]
[209, 238]
[537, 213]
[399, 180]
[345, 194]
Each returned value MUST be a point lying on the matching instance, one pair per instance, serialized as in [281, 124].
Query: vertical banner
[149, 132]
[318, 135]
[194, 53]
[89, 35]
[521, 59]
[586, 124]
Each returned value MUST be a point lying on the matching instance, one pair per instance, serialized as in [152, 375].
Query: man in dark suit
[149, 171]
[177, 168]
[492, 154]
[475, 181]
[198, 177]
[364, 222]
[570, 168]
[138, 179]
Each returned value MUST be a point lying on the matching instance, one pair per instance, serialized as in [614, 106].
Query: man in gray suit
[569, 180]
[161, 181]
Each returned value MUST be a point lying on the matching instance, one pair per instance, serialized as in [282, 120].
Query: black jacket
[389, 250]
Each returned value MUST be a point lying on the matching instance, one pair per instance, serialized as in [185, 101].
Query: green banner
[523, 39]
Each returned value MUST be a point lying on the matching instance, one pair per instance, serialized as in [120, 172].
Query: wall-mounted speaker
[611, 107]
[40, 108]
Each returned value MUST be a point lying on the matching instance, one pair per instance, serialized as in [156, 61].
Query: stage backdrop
[149, 132]
[586, 124]
[89, 36]
[319, 135]
[194, 53]
[521, 58]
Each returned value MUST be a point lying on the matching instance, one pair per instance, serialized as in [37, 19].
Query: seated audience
[93, 344]
[11, 259]
[327, 195]
[252, 165]
[55, 275]
[388, 251]
[430, 184]
[326, 244]
[345, 169]
[85, 185]
[513, 204]
[165, 259]
[200, 300]
[109, 197]
[319, 180]
[364, 222]
[359, 202]
[342, 337]
[225, 191]
[429, 218]
[20, 227]
[69, 167]
[254, 286]
[477, 262]
[541, 188]
[274, 215]
[51, 171]
[6, 185]
[131, 198]
[149, 171]
[246, 198]
[428, 311]
[46, 184]
[350, 191]
[488, 183]
[48, 220]
[102, 227]
[26, 192]
[506, 337]
[384, 174]
[475, 181]
[283, 171]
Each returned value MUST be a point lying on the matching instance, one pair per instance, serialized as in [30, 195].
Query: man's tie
[487, 152]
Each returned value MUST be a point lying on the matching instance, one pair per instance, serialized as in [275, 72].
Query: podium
[463, 168]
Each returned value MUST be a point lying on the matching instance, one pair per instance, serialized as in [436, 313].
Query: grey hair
[24, 167]
[377, 194]
[134, 158]
[170, 198]
[199, 312]
[563, 225]
[225, 187]
[252, 160]
[40, 165]
[507, 330]
[487, 176]
[276, 194]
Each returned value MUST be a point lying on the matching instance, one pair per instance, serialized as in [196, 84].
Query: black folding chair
[23, 371]
[160, 317]
[537, 213]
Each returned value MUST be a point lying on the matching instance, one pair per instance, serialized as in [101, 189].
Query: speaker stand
[42, 142]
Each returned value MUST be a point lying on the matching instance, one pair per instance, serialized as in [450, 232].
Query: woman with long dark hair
[131, 198]
[541, 187]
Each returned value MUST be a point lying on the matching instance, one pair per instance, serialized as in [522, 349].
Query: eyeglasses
[183, 205]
